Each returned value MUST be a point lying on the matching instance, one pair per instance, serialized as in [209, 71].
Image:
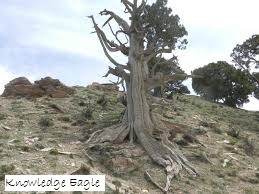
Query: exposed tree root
[164, 153]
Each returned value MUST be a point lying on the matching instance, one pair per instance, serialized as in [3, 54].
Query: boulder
[22, 87]
[54, 88]
[121, 164]
[19, 81]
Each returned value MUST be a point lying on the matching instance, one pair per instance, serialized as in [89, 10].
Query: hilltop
[50, 136]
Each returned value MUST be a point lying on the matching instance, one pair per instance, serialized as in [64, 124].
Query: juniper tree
[246, 56]
[223, 82]
[151, 31]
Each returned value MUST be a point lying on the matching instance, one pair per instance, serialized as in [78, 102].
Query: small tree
[246, 55]
[222, 82]
[152, 30]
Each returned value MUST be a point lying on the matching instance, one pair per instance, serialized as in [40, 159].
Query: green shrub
[249, 146]
[45, 122]
[87, 112]
[2, 116]
[64, 118]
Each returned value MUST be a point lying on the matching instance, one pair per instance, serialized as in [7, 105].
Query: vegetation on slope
[49, 136]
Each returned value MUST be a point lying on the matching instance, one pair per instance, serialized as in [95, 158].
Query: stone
[121, 164]
[54, 88]
[104, 87]
[22, 87]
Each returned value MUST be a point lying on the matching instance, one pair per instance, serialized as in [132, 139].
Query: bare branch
[128, 6]
[159, 51]
[115, 35]
[128, 3]
[119, 82]
[159, 80]
[121, 22]
[117, 72]
[124, 49]
[120, 66]
[135, 3]
[142, 5]
[155, 66]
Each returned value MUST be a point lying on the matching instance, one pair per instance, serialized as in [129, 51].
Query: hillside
[49, 136]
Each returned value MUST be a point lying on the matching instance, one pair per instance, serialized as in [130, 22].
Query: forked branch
[124, 49]
[117, 72]
[102, 41]
[121, 22]
[128, 6]
[157, 52]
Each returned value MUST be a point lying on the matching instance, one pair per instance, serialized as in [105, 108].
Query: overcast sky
[41, 38]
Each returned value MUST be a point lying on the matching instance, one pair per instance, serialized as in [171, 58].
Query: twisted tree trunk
[138, 122]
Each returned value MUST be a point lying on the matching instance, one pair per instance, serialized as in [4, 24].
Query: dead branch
[119, 82]
[117, 72]
[121, 22]
[155, 66]
[160, 79]
[124, 49]
[98, 30]
[156, 52]
[128, 6]
[142, 5]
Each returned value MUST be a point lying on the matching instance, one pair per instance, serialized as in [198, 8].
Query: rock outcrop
[104, 86]
[22, 87]
[54, 88]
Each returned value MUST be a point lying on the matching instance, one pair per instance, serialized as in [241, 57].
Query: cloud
[52, 38]
[214, 28]
[253, 105]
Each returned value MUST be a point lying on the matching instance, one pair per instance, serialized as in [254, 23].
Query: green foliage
[168, 67]
[246, 54]
[161, 26]
[5, 169]
[87, 112]
[102, 100]
[256, 91]
[222, 82]
[45, 122]
[2, 116]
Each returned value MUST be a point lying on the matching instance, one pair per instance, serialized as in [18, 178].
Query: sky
[53, 38]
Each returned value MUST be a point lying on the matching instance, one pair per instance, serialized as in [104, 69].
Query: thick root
[169, 156]
[164, 153]
[115, 133]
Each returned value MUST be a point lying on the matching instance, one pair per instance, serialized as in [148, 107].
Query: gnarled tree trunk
[138, 122]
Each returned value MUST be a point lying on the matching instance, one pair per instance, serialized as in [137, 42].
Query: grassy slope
[27, 147]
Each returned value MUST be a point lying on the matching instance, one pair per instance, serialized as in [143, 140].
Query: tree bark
[138, 112]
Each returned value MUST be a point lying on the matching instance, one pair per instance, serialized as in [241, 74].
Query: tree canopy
[246, 55]
[223, 82]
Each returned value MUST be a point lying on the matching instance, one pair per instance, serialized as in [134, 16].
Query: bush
[102, 100]
[249, 146]
[88, 111]
[2, 116]
[45, 122]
